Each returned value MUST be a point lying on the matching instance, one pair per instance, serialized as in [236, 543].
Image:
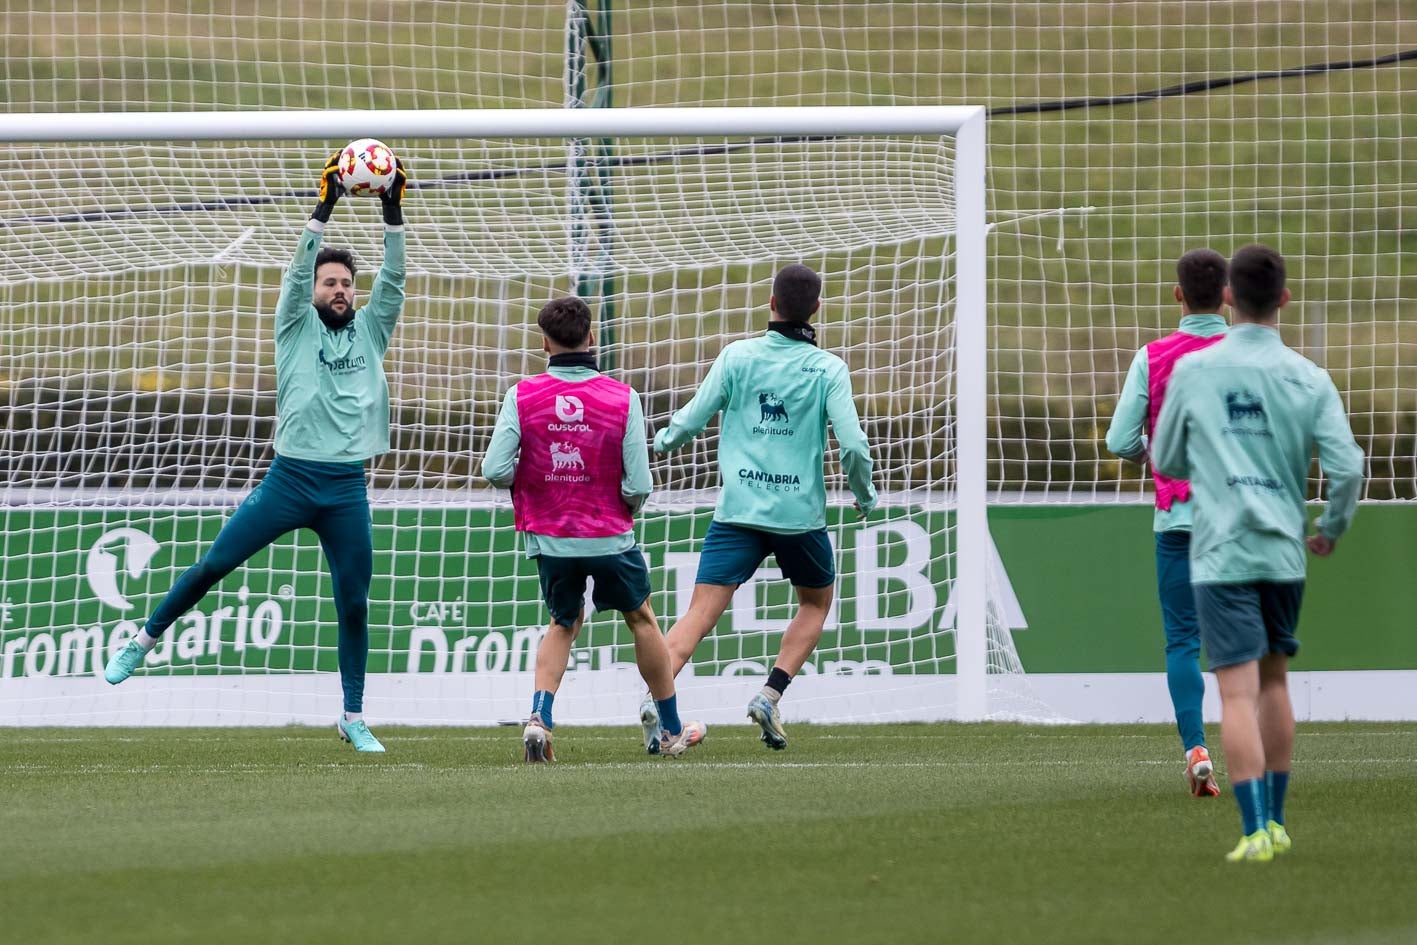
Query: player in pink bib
[1200, 286]
[571, 446]
[571, 435]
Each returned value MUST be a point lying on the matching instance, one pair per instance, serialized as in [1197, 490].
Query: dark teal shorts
[621, 583]
[731, 554]
[1244, 622]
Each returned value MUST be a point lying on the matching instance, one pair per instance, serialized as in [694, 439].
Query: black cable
[1200, 85]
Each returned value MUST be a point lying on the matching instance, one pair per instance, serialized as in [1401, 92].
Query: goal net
[137, 286]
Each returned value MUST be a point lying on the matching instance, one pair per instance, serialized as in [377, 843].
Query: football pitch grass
[906, 833]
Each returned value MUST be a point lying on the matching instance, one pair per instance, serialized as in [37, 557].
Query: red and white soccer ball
[366, 168]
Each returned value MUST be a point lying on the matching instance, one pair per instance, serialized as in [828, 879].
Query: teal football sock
[669, 715]
[1250, 796]
[1276, 786]
[541, 705]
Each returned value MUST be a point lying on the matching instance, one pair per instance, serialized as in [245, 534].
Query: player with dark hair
[570, 444]
[332, 414]
[1241, 420]
[777, 392]
[1200, 287]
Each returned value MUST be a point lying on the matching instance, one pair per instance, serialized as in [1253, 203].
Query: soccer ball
[366, 168]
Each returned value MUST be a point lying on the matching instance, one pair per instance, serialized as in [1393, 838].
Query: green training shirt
[1241, 421]
[777, 396]
[332, 399]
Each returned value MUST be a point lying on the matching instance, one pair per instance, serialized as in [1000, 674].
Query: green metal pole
[602, 197]
[577, 26]
[588, 169]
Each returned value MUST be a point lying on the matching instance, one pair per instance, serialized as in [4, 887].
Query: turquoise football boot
[358, 735]
[124, 662]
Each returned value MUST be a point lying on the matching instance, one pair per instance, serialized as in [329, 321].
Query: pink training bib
[1161, 358]
[567, 483]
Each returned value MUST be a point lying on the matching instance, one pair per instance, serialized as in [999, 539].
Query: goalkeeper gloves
[330, 190]
[392, 199]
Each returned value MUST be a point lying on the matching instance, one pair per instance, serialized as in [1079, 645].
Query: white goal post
[957, 121]
[44, 696]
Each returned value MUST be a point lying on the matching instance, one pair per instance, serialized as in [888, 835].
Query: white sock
[771, 694]
[354, 716]
[145, 641]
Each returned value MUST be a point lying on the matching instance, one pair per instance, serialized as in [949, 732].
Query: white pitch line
[692, 764]
[234, 768]
[393, 736]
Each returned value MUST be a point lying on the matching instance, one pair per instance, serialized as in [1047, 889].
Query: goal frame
[966, 124]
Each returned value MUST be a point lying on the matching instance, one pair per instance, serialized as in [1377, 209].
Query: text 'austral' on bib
[567, 483]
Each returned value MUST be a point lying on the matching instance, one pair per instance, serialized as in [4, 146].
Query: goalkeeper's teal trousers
[329, 499]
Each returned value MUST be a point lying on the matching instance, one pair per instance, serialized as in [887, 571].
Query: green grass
[856, 834]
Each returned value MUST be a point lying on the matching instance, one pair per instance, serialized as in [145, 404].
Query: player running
[1241, 420]
[332, 406]
[777, 393]
[570, 444]
[1200, 287]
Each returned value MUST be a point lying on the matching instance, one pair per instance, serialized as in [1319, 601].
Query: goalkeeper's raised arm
[387, 294]
[298, 284]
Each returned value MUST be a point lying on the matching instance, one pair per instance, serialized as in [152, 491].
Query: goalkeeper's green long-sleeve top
[1241, 421]
[332, 399]
[777, 396]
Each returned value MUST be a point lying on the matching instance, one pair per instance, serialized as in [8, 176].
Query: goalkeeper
[332, 406]
[777, 393]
